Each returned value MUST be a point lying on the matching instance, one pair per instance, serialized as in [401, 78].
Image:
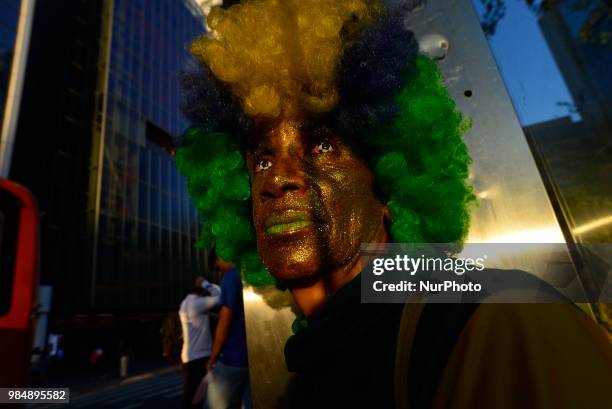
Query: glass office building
[53, 141]
[99, 113]
[146, 225]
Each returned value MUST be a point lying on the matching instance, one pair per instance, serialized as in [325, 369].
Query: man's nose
[286, 176]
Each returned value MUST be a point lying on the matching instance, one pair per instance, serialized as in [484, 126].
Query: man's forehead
[265, 134]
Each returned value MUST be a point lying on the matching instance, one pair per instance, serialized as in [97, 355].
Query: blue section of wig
[371, 71]
[209, 106]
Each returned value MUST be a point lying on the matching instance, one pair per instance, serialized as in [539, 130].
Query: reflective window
[142, 189]
[143, 239]
[143, 201]
[155, 205]
[165, 174]
[175, 182]
[165, 205]
[175, 205]
[154, 241]
[556, 60]
[144, 165]
[165, 244]
[175, 248]
[155, 168]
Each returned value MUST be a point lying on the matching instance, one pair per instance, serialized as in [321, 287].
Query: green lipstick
[284, 227]
[287, 221]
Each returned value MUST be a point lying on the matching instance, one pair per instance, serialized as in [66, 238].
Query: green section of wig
[423, 162]
[219, 185]
[420, 162]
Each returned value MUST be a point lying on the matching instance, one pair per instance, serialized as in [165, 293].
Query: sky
[8, 17]
[527, 65]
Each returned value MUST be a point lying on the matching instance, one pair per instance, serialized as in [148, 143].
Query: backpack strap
[437, 332]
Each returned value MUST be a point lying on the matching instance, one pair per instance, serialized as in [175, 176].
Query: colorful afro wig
[350, 65]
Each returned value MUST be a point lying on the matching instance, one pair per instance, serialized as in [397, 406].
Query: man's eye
[262, 164]
[323, 147]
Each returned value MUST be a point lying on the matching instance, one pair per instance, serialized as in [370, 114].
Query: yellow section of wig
[282, 55]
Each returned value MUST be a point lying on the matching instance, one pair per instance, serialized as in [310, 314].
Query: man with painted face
[313, 206]
[317, 128]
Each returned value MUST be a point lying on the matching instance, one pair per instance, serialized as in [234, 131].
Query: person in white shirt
[197, 340]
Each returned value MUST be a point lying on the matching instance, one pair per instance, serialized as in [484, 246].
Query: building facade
[579, 44]
[99, 113]
[145, 224]
[578, 156]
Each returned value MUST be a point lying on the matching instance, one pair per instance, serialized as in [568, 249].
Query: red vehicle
[19, 241]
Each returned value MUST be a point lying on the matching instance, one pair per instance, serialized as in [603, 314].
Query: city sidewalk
[93, 379]
[147, 391]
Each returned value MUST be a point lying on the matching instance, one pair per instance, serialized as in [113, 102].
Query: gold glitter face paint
[313, 201]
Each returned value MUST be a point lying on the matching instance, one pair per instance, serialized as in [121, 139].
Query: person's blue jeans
[228, 387]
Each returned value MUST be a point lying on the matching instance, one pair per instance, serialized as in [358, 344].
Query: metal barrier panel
[513, 208]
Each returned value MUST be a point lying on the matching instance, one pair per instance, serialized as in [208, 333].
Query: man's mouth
[287, 222]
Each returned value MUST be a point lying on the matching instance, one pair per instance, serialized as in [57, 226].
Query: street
[155, 392]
